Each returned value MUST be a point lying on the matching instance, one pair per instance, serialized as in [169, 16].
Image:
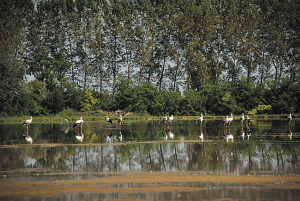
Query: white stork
[230, 119]
[108, 120]
[171, 118]
[201, 118]
[290, 117]
[78, 122]
[27, 122]
[225, 121]
[165, 119]
[120, 119]
[242, 118]
[248, 120]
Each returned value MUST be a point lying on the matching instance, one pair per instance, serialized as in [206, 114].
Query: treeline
[179, 57]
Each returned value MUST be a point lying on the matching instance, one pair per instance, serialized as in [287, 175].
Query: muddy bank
[140, 182]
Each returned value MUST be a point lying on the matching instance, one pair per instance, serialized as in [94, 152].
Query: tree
[124, 99]
[13, 18]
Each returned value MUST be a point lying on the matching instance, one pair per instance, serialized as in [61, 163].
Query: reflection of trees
[239, 158]
[145, 155]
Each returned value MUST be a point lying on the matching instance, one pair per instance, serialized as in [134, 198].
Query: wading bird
[108, 120]
[290, 117]
[120, 120]
[171, 118]
[200, 120]
[230, 119]
[225, 121]
[27, 122]
[165, 119]
[248, 120]
[78, 122]
[242, 118]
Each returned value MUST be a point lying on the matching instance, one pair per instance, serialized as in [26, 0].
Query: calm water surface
[57, 151]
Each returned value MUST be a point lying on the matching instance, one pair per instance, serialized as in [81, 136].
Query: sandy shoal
[152, 182]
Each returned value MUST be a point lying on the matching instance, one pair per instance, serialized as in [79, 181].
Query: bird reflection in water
[228, 136]
[79, 136]
[248, 131]
[227, 133]
[120, 136]
[165, 136]
[242, 131]
[67, 128]
[27, 137]
[200, 132]
[110, 138]
[171, 135]
[290, 134]
[167, 132]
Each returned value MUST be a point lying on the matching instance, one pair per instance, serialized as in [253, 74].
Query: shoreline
[140, 182]
[93, 118]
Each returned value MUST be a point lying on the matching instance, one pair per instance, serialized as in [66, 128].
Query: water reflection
[200, 132]
[290, 134]
[220, 158]
[95, 132]
[213, 192]
[263, 146]
[228, 136]
[167, 131]
[99, 149]
[110, 138]
[28, 138]
[79, 136]
[67, 123]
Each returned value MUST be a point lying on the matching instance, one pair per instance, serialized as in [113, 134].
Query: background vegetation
[182, 57]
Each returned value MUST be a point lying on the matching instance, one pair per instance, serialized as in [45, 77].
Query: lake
[95, 151]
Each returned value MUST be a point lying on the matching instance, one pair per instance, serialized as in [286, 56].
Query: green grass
[72, 115]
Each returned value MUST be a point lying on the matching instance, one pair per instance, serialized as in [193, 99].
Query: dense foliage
[182, 57]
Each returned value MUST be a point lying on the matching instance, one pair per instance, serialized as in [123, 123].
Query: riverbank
[129, 116]
[140, 182]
